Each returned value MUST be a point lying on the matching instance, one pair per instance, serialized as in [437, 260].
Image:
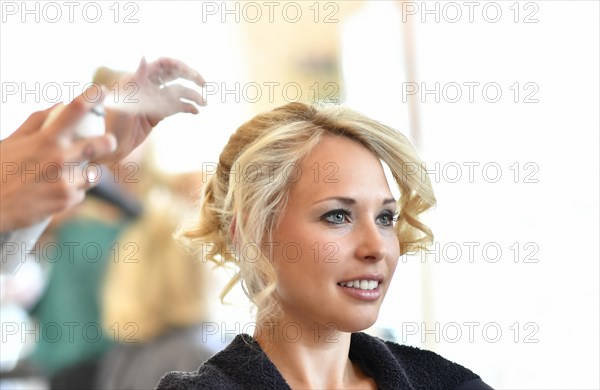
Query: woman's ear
[232, 229]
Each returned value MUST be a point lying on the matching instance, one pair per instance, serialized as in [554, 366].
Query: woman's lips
[363, 295]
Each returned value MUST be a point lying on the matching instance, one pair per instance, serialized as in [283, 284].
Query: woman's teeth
[361, 284]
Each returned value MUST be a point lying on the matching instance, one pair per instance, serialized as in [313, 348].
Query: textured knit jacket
[244, 365]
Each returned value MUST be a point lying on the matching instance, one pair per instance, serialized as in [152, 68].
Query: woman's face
[335, 249]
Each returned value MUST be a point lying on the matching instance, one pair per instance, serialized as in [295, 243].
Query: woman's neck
[311, 356]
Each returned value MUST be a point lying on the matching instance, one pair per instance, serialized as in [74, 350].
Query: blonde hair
[153, 285]
[252, 183]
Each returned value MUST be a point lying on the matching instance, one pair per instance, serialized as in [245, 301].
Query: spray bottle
[16, 245]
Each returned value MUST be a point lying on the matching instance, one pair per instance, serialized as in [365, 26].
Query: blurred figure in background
[154, 296]
[77, 248]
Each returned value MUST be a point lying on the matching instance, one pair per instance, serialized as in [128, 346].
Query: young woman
[301, 203]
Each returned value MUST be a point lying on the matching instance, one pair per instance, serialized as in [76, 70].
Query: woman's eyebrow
[342, 199]
[351, 201]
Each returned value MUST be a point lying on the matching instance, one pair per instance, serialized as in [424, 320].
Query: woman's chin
[353, 325]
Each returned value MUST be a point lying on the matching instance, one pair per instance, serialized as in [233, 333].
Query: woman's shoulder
[205, 378]
[240, 364]
[402, 365]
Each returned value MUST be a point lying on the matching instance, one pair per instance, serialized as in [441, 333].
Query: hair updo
[252, 182]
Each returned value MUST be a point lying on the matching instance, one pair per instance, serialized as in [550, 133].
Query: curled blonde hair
[252, 184]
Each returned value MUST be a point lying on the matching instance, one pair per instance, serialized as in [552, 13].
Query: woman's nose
[371, 245]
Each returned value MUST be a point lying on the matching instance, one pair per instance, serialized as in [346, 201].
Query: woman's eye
[388, 218]
[336, 216]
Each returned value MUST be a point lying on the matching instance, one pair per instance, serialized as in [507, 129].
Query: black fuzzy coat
[244, 365]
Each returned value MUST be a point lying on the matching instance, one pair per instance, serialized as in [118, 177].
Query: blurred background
[500, 98]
